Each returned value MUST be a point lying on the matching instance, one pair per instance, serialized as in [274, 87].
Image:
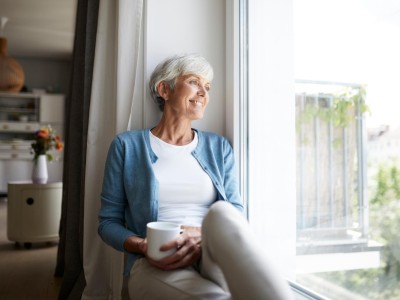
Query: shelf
[19, 126]
[18, 110]
[19, 107]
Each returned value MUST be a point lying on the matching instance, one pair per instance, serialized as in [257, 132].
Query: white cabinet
[19, 107]
[33, 211]
[21, 114]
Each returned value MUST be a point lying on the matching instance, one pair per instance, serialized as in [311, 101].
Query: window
[323, 157]
[347, 247]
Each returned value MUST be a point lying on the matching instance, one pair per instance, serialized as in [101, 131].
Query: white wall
[188, 26]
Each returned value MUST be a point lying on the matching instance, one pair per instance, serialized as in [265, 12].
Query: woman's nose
[202, 91]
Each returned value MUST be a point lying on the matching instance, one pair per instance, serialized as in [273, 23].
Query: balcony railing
[332, 206]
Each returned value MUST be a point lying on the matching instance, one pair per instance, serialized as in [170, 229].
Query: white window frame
[272, 165]
[267, 155]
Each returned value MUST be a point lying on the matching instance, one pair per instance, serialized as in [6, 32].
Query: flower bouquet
[45, 139]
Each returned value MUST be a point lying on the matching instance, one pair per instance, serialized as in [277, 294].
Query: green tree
[381, 283]
[385, 217]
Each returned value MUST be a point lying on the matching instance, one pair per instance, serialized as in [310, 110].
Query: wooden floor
[26, 274]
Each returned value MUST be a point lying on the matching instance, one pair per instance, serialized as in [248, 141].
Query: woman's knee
[222, 212]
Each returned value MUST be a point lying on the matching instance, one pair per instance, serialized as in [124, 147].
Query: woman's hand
[136, 244]
[188, 246]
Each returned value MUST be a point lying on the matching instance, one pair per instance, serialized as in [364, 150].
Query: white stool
[33, 212]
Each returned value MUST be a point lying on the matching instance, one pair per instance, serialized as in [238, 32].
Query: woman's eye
[196, 82]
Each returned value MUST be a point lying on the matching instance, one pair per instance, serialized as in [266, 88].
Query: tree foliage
[382, 283]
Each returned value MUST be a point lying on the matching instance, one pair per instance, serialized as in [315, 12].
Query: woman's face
[189, 97]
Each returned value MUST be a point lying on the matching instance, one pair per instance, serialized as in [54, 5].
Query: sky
[352, 41]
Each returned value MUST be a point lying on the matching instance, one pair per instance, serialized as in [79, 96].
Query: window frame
[240, 137]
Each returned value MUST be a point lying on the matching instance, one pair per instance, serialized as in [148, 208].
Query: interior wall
[200, 29]
[46, 74]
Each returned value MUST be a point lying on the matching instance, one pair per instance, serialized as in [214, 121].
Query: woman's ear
[163, 90]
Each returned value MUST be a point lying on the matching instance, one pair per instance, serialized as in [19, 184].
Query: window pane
[347, 66]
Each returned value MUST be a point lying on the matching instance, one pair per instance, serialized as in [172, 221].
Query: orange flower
[45, 140]
[43, 133]
[59, 146]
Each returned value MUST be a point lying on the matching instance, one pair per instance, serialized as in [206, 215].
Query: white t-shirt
[185, 189]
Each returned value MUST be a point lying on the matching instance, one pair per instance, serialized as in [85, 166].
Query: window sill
[302, 293]
[338, 257]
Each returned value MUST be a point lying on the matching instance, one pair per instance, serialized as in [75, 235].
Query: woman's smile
[196, 102]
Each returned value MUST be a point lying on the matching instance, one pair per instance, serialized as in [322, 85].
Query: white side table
[33, 211]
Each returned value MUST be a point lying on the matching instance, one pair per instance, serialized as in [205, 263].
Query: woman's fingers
[184, 257]
[188, 252]
[177, 243]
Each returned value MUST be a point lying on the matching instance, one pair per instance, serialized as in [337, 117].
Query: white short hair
[175, 66]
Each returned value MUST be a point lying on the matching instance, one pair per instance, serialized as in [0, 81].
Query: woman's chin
[197, 117]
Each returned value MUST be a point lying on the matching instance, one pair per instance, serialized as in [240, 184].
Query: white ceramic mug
[158, 234]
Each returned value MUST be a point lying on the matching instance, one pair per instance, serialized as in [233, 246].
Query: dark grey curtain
[70, 251]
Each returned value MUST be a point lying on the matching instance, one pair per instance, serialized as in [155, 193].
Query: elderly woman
[178, 174]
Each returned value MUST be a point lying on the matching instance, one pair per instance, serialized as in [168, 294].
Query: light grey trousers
[233, 266]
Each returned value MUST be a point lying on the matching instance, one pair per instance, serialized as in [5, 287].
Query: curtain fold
[106, 98]
[117, 79]
[70, 254]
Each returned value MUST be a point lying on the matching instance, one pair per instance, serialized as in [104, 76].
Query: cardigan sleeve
[230, 180]
[112, 227]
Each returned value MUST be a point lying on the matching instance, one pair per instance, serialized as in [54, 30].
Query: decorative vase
[12, 75]
[39, 172]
